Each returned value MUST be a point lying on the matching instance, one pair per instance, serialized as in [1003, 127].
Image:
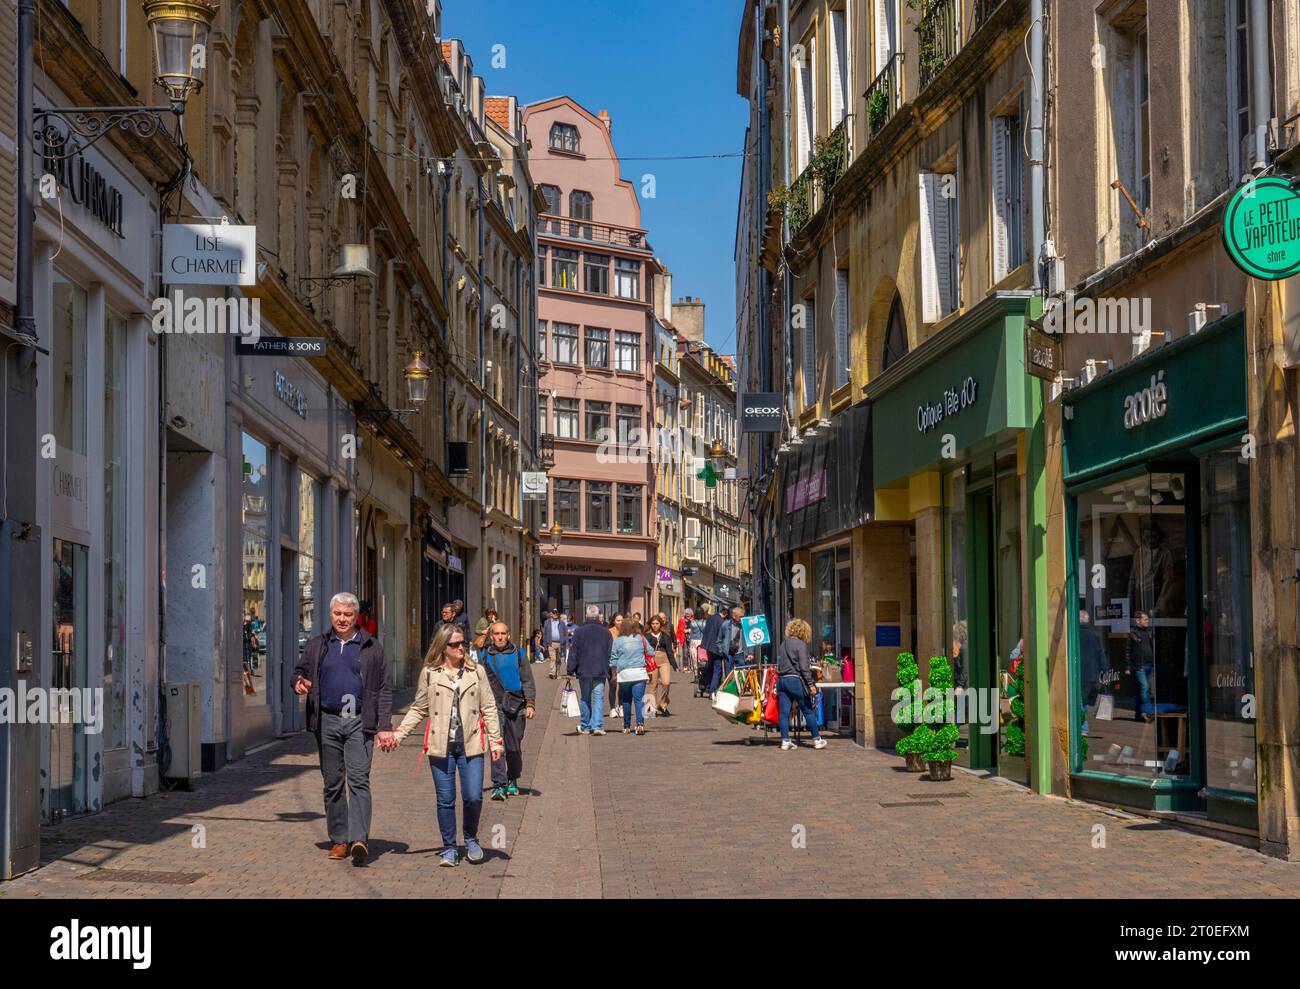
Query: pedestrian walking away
[731, 640]
[511, 677]
[589, 662]
[627, 660]
[664, 648]
[455, 696]
[713, 626]
[554, 635]
[344, 676]
[796, 685]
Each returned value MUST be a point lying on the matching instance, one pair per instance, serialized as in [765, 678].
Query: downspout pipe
[1037, 181]
[783, 62]
[1261, 78]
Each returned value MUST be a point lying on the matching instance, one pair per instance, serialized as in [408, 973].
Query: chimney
[604, 119]
[688, 318]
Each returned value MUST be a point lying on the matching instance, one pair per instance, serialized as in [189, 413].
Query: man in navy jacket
[589, 662]
[717, 660]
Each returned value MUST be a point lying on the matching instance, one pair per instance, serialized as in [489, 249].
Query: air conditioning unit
[184, 730]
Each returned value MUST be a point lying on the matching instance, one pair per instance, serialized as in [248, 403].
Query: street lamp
[556, 534]
[180, 41]
[417, 379]
[180, 34]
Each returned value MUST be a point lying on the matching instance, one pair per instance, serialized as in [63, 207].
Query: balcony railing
[831, 158]
[983, 11]
[885, 95]
[590, 230]
[940, 36]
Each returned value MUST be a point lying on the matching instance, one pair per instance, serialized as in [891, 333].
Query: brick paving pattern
[687, 810]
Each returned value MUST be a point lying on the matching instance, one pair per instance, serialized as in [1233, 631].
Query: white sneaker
[786, 745]
[819, 744]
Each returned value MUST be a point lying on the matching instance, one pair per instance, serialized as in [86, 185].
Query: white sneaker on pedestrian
[598, 731]
[786, 745]
[819, 743]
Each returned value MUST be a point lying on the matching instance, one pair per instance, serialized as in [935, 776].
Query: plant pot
[940, 771]
[915, 762]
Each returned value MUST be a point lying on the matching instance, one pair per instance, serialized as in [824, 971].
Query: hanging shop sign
[826, 482]
[534, 485]
[209, 254]
[1261, 228]
[760, 412]
[1043, 354]
[755, 630]
[454, 562]
[281, 347]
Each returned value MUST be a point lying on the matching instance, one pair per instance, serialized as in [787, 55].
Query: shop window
[309, 569]
[255, 510]
[1227, 623]
[1132, 618]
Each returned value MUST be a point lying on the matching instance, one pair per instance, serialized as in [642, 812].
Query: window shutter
[950, 229]
[929, 261]
[838, 68]
[697, 482]
[810, 353]
[841, 327]
[884, 33]
[802, 116]
[1001, 198]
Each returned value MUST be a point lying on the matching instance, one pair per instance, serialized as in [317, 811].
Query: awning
[704, 593]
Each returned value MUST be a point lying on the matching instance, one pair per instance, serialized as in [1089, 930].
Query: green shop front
[958, 456]
[1158, 519]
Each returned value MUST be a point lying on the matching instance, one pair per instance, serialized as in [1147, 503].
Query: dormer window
[564, 137]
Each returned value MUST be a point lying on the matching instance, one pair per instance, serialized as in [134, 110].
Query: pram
[701, 670]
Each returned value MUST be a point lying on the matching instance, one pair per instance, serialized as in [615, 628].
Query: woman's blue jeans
[630, 695]
[471, 791]
[789, 692]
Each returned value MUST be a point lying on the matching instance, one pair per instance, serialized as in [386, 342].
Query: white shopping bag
[616, 711]
[650, 709]
[571, 706]
[726, 704]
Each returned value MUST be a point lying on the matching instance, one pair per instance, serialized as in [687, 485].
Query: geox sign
[760, 412]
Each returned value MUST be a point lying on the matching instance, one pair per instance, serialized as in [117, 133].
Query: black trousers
[509, 766]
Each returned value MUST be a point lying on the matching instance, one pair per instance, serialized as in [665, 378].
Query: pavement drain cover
[937, 796]
[722, 762]
[674, 728]
[915, 803]
[142, 876]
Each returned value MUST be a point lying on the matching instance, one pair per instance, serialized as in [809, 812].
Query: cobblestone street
[688, 810]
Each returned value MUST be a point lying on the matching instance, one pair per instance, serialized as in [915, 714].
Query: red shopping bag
[771, 706]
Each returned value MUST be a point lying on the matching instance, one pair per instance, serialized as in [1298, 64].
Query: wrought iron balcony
[940, 37]
[885, 95]
[549, 225]
[831, 158]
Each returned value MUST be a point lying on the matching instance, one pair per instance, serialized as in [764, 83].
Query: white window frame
[1234, 37]
[843, 327]
[810, 352]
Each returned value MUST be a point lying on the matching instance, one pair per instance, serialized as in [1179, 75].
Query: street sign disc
[1261, 229]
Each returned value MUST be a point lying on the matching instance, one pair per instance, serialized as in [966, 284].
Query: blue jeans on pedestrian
[1143, 674]
[471, 792]
[789, 692]
[630, 695]
[591, 702]
[716, 664]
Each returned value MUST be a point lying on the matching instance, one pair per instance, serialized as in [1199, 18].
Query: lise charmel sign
[1261, 229]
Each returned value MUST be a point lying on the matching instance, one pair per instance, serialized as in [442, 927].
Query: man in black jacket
[589, 662]
[344, 675]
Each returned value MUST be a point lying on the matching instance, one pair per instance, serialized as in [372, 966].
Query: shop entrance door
[981, 662]
[68, 672]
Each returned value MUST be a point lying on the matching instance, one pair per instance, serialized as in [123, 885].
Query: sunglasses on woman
[459, 643]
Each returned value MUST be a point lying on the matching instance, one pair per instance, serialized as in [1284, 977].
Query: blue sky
[666, 72]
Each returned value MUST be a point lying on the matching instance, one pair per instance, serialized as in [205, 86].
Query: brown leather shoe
[359, 853]
[338, 852]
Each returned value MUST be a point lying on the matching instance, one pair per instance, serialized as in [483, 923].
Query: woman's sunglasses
[456, 645]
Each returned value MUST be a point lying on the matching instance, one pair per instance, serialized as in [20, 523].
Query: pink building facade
[595, 334]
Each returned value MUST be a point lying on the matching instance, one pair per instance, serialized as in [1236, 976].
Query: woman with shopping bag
[796, 684]
[664, 650]
[627, 661]
[456, 697]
